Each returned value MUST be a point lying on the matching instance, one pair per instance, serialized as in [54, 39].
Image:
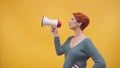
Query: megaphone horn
[48, 22]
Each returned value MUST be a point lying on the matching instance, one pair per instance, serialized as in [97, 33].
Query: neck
[78, 32]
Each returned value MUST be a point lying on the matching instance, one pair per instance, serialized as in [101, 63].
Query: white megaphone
[48, 22]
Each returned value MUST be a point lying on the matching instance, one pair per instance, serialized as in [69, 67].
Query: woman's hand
[54, 31]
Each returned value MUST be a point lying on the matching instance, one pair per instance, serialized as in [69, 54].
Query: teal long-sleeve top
[79, 54]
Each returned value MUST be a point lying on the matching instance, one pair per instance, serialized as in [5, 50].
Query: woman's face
[73, 23]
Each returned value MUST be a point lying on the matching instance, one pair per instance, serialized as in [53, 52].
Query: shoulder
[88, 43]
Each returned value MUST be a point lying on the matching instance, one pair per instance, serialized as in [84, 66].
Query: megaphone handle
[53, 28]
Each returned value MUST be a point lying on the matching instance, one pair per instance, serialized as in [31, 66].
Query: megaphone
[49, 22]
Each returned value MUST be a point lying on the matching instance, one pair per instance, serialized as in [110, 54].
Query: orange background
[25, 44]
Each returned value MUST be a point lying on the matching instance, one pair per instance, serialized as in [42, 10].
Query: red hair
[81, 18]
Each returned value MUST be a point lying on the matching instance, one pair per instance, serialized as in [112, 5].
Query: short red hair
[81, 18]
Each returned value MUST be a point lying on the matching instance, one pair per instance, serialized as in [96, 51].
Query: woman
[78, 48]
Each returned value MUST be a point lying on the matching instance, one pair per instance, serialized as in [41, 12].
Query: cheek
[72, 25]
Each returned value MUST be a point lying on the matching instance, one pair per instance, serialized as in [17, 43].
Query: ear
[79, 23]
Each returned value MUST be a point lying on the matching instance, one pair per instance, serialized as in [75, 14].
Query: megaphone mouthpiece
[59, 24]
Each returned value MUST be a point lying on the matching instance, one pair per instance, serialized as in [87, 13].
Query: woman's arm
[95, 55]
[59, 48]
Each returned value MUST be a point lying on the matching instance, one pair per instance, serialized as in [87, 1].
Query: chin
[71, 28]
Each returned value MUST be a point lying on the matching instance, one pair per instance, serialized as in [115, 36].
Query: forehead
[73, 17]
